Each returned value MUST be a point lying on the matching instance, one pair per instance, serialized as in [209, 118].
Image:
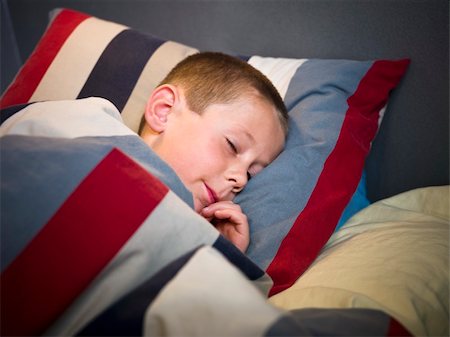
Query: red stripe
[86, 232]
[339, 178]
[396, 329]
[42, 57]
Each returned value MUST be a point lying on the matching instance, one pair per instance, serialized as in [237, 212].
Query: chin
[198, 206]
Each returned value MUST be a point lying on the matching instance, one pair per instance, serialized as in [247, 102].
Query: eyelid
[232, 146]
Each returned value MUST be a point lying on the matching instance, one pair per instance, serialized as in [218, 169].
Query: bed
[349, 225]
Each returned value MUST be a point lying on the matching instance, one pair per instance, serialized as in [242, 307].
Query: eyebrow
[263, 163]
[250, 137]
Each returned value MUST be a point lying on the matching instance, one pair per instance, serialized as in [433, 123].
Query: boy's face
[215, 153]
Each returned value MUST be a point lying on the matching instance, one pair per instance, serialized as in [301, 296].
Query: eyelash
[232, 146]
[234, 149]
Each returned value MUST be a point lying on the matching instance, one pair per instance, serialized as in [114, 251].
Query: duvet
[98, 237]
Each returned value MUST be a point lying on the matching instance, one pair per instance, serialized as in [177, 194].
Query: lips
[212, 196]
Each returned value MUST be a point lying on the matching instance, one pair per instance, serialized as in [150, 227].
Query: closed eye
[231, 145]
[235, 151]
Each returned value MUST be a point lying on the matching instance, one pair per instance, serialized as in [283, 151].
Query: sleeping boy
[215, 120]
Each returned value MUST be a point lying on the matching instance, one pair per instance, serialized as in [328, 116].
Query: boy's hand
[229, 220]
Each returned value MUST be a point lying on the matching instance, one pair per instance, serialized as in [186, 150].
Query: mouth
[212, 196]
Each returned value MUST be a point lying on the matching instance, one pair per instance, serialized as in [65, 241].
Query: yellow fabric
[392, 256]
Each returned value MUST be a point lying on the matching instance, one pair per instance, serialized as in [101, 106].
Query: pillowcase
[294, 205]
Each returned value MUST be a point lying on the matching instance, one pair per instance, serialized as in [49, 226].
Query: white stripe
[172, 229]
[209, 297]
[93, 116]
[74, 62]
[158, 66]
[279, 70]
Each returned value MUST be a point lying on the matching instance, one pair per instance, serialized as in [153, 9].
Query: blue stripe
[358, 202]
[119, 67]
[317, 102]
[126, 316]
[11, 110]
[234, 255]
[39, 173]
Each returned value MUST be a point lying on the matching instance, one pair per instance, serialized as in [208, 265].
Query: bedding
[391, 256]
[335, 105]
[105, 247]
[126, 258]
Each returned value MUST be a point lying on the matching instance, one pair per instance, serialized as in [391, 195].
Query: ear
[159, 106]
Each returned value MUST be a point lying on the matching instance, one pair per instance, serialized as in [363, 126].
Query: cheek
[208, 159]
[197, 160]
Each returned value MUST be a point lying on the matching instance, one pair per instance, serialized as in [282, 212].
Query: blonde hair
[216, 78]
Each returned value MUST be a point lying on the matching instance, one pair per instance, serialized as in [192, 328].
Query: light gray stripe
[39, 173]
[317, 103]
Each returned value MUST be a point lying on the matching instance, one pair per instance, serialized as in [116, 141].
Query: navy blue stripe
[11, 110]
[125, 317]
[235, 256]
[119, 67]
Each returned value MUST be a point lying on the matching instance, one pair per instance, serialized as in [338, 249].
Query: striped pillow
[335, 106]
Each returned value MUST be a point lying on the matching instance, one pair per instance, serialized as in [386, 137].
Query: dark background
[412, 147]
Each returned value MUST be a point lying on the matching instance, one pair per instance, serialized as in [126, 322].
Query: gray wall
[412, 147]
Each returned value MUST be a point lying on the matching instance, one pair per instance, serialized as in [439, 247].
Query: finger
[208, 218]
[234, 216]
[232, 230]
[211, 209]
